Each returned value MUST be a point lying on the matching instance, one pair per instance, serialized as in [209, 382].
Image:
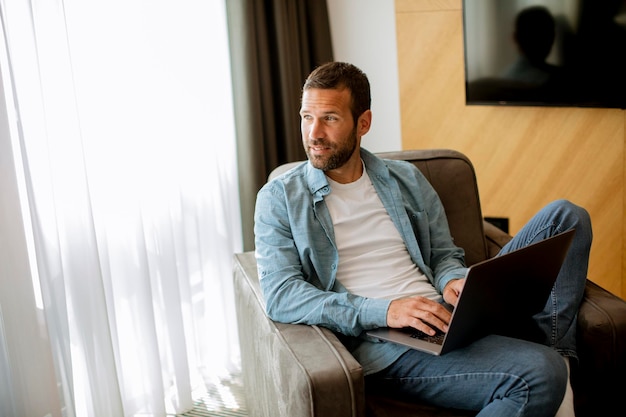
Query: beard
[338, 157]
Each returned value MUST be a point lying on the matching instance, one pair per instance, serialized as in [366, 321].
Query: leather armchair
[297, 370]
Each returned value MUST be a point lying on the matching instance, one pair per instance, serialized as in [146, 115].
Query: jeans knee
[570, 215]
[547, 380]
[552, 365]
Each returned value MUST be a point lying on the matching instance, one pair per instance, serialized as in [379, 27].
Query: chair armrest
[600, 378]
[291, 370]
[496, 238]
[602, 328]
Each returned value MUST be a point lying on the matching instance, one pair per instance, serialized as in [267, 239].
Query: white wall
[364, 33]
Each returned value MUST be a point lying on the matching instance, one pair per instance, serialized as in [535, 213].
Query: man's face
[329, 134]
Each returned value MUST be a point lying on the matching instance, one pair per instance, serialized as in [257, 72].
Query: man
[352, 242]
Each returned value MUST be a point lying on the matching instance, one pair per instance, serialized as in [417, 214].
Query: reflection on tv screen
[546, 52]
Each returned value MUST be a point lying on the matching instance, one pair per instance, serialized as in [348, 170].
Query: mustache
[319, 142]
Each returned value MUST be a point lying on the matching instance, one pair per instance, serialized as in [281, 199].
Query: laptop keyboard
[418, 334]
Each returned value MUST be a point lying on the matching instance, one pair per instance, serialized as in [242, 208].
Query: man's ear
[364, 122]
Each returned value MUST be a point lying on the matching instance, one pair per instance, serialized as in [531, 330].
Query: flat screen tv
[568, 53]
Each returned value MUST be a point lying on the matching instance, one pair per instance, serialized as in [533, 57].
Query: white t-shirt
[373, 259]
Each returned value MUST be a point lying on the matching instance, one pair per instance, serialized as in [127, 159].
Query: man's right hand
[418, 312]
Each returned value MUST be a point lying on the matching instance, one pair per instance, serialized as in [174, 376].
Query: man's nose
[315, 130]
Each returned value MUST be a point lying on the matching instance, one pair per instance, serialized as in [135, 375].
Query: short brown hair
[337, 75]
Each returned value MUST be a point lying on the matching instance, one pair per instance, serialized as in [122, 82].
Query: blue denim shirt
[297, 256]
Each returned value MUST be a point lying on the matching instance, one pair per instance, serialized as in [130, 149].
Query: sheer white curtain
[124, 117]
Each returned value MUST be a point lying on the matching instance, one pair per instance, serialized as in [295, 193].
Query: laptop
[498, 293]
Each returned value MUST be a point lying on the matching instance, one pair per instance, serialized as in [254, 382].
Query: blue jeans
[506, 376]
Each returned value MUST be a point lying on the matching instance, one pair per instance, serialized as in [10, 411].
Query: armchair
[297, 370]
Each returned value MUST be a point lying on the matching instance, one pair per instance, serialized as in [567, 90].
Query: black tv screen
[568, 53]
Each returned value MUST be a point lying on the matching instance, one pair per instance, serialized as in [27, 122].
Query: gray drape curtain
[274, 44]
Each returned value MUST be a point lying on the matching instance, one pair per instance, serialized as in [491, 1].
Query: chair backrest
[453, 177]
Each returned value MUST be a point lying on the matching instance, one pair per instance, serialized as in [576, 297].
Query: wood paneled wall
[524, 157]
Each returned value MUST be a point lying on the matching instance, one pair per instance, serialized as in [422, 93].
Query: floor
[222, 397]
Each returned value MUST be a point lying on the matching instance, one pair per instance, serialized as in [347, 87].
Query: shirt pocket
[421, 229]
